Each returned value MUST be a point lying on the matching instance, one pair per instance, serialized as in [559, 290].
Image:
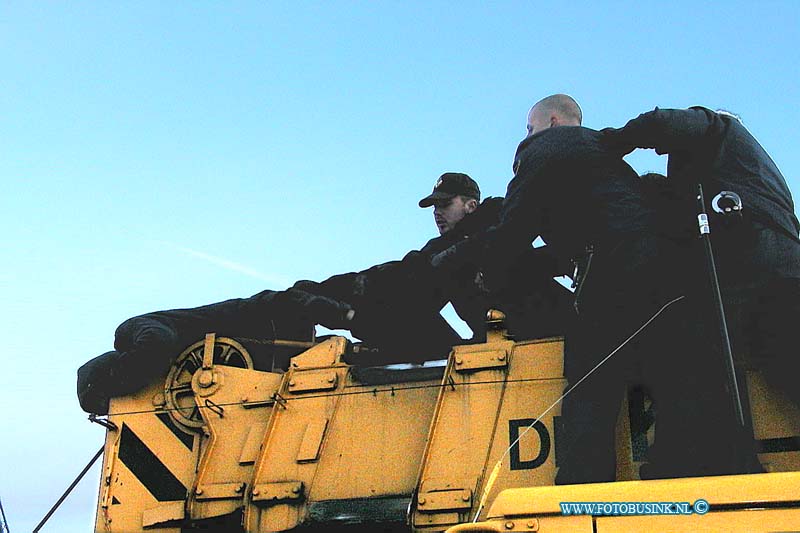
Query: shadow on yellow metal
[219, 446]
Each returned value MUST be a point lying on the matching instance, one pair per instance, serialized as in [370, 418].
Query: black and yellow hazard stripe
[148, 468]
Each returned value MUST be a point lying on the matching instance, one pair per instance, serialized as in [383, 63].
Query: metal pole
[727, 353]
[3, 522]
[69, 489]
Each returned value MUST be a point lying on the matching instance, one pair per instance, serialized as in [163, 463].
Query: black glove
[331, 313]
[93, 379]
[147, 338]
[104, 377]
[447, 260]
[617, 141]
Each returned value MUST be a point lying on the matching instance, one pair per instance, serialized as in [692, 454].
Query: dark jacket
[397, 303]
[569, 190]
[519, 282]
[466, 290]
[718, 151]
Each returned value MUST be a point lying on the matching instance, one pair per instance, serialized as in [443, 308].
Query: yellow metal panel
[222, 477]
[162, 514]
[548, 524]
[464, 426]
[312, 440]
[162, 457]
[131, 501]
[324, 354]
[549, 354]
[252, 444]
[481, 413]
[374, 445]
[780, 462]
[775, 418]
[754, 489]
[277, 462]
[435, 521]
[755, 521]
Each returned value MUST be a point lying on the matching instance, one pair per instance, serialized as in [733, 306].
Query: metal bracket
[208, 351]
[214, 408]
[313, 381]
[220, 491]
[472, 361]
[445, 500]
[253, 404]
[105, 422]
[279, 491]
[280, 400]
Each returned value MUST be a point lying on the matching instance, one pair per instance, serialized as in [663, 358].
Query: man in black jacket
[397, 303]
[459, 214]
[757, 251]
[536, 306]
[586, 203]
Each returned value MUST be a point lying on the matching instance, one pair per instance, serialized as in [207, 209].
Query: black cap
[452, 184]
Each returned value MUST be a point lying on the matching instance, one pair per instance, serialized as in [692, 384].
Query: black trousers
[760, 274]
[672, 358]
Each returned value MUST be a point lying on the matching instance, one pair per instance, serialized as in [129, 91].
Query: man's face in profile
[447, 213]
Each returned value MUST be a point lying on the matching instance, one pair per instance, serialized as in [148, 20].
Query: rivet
[331, 379]
[501, 357]
[459, 361]
[240, 488]
[509, 525]
[256, 492]
[291, 383]
[295, 489]
[198, 491]
[206, 379]
[422, 501]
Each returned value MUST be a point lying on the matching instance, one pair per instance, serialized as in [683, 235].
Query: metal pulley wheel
[178, 393]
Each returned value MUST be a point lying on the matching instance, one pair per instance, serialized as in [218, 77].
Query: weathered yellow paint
[738, 503]
[328, 441]
[222, 479]
[125, 503]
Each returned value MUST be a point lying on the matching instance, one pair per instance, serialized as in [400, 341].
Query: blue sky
[158, 155]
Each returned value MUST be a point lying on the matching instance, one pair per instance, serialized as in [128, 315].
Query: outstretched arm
[668, 131]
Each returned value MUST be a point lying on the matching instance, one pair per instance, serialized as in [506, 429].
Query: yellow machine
[335, 444]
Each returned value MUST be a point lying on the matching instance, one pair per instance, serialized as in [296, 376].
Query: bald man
[552, 111]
